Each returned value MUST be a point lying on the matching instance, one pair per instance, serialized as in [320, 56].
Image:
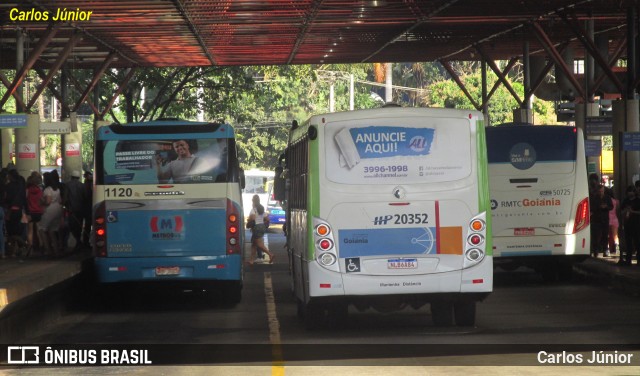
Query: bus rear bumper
[188, 268]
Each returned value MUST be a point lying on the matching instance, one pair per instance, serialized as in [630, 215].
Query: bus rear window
[132, 162]
[549, 143]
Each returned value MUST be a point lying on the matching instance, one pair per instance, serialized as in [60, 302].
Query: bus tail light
[476, 234]
[325, 250]
[233, 229]
[100, 230]
[582, 216]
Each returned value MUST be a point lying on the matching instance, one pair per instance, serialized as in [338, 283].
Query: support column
[620, 180]
[591, 109]
[388, 83]
[71, 153]
[28, 146]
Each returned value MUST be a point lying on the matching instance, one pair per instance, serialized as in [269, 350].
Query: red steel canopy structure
[248, 32]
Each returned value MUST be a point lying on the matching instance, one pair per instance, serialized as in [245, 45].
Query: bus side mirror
[243, 182]
[279, 185]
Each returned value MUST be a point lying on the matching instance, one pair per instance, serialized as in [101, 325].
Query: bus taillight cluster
[100, 231]
[323, 237]
[475, 240]
[233, 229]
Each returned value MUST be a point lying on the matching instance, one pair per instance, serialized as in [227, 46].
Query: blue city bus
[168, 206]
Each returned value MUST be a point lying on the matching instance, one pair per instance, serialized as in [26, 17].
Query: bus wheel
[337, 314]
[442, 313]
[465, 313]
[232, 293]
[565, 271]
[313, 316]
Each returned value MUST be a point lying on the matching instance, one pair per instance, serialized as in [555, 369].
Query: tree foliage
[262, 101]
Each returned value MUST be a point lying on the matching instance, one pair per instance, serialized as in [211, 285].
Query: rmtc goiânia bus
[388, 208]
[167, 205]
[540, 198]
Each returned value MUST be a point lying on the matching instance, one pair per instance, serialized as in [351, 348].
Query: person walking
[258, 230]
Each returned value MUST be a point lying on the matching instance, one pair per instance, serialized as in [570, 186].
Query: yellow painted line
[4, 301]
[277, 367]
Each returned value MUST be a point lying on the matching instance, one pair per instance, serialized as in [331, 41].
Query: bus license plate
[402, 264]
[171, 270]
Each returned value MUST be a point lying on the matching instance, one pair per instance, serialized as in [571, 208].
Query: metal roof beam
[94, 81]
[79, 88]
[501, 77]
[504, 73]
[456, 78]
[35, 54]
[16, 96]
[53, 90]
[557, 58]
[311, 15]
[161, 92]
[75, 38]
[195, 31]
[121, 87]
[591, 48]
[420, 22]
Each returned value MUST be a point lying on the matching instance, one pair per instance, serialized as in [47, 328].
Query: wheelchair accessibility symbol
[352, 265]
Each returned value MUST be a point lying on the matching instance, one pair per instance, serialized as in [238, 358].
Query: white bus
[539, 198]
[387, 208]
[256, 183]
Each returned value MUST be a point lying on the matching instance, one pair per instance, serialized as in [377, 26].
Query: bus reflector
[325, 285]
[476, 281]
[477, 225]
[582, 216]
[322, 230]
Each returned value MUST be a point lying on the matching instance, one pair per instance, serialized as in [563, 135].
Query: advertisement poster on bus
[410, 151]
[164, 161]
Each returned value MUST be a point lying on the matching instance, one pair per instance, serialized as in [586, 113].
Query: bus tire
[465, 313]
[232, 293]
[442, 313]
[565, 271]
[337, 314]
[314, 317]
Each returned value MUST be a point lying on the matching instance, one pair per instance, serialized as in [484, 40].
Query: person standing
[15, 198]
[73, 201]
[49, 225]
[630, 209]
[600, 205]
[257, 215]
[614, 223]
[34, 209]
